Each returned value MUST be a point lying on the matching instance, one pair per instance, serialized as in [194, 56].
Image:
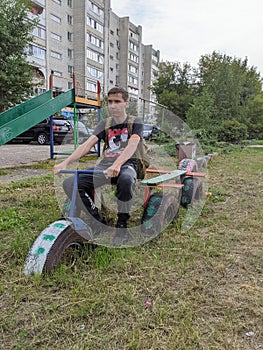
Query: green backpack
[141, 152]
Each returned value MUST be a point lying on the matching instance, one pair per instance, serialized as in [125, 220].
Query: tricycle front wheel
[51, 246]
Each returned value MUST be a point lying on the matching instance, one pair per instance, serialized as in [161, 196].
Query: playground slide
[20, 118]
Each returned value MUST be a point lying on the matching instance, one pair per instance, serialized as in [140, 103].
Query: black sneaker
[121, 236]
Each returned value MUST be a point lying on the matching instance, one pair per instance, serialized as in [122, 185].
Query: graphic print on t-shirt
[117, 140]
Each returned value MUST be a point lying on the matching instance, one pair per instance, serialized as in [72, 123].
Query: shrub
[232, 131]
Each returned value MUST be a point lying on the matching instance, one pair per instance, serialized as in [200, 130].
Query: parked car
[83, 131]
[149, 131]
[41, 132]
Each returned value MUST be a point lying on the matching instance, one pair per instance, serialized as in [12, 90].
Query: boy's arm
[81, 151]
[126, 154]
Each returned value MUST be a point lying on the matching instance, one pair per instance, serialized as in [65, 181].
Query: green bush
[232, 131]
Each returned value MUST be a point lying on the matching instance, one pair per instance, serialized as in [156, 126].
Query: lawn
[183, 291]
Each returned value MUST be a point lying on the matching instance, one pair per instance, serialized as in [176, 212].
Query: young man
[119, 162]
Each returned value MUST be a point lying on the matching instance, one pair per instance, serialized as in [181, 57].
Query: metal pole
[76, 136]
[51, 137]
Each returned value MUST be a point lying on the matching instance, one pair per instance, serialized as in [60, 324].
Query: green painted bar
[25, 121]
[163, 178]
[24, 107]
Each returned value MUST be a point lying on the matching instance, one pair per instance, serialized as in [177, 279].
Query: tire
[201, 163]
[188, 165]
[192, 191]
[50, 246]
[42, 138]
[160, 211]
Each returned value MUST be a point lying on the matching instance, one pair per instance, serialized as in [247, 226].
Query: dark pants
[125, 183]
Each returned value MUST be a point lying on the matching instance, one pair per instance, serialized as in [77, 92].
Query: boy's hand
[113, 171]
[58, 167]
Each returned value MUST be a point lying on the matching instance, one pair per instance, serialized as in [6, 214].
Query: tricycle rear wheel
[160, 211]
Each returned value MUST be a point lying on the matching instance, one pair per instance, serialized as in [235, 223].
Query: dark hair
[119, 90]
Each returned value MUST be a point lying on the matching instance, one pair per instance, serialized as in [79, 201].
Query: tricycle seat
[163, 178]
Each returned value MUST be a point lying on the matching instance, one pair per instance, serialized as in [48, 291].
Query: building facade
[86, 37]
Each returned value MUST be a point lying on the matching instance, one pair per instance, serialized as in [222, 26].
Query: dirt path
[16, 159]
[15, 155]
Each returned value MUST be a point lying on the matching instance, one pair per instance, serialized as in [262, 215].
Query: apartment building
[86, 37]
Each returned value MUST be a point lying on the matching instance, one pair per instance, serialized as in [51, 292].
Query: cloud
[183, 30]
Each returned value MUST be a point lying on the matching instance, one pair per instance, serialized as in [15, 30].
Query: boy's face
[117, 105]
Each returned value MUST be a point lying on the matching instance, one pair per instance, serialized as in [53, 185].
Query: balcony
[37, 6]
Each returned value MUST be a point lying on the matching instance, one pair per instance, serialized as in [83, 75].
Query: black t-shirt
[117, 138]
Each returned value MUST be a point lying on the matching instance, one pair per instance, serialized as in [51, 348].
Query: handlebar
[87, 171]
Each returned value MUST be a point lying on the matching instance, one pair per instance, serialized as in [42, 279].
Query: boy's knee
[126, 181]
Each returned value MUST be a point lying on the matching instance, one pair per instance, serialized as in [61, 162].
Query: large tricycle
[163, 193]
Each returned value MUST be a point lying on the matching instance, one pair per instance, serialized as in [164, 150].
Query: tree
[15, 72]
[201, 112]
[174, 87]
[227, 91]
[255, 120]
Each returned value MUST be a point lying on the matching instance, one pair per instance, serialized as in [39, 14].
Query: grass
[257, 142]
[204, 286]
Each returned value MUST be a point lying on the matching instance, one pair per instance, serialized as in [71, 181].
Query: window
[36, 51]
[70, 53]
[132, 46]
[39, 32]
[95, 41]
[132, 69]
[154, 60]
[132, 80]
[94, 24]
[70, 70]
[112, 32]
[133, 35]
[91, 86]
[96, 9]
[95, 56]
[94, 72]
[55, 36]
[133, 57]
[70, 85]
[57, 2]
[55, 18]
[70, 3]
[57, 74]
[133, 91]
[56, 55]
[70, 20]
[70, 36]
[42, 2]
[57, 88]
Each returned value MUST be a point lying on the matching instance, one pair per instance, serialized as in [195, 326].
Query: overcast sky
[183, 30]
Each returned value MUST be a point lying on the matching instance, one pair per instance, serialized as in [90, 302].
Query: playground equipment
[22, 117]
[158, 210]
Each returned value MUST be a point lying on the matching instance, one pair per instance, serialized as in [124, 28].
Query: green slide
[18, 119]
